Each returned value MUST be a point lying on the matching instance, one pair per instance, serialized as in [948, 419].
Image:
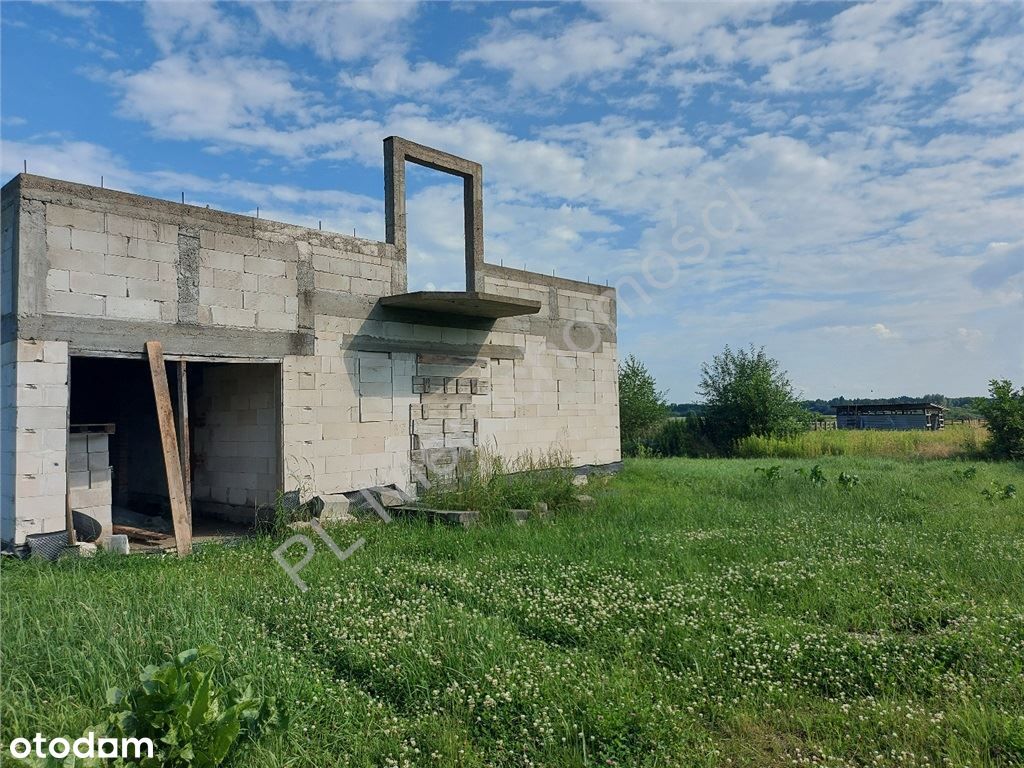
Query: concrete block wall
[594, 305]
[565, 388]
[235, 418]
[350, 266]
[108, 265]
[334, 441]
[38, 373]
[584, 307]
[8, 436]
[453, 392]
[554, 398]
[8, 366]
[341, 431]
[521, 289]
[248, 282]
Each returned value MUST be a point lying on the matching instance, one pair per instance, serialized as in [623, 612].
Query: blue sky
[841, 183]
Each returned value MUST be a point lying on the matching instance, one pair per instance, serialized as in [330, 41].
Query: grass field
[698, 614]
[955, 441]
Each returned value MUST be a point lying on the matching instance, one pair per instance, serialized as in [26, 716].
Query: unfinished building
[296, 358]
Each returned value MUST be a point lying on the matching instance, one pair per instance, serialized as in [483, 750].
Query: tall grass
[955, 441]
[491, 484]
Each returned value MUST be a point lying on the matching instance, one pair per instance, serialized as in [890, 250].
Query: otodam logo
[87, 746]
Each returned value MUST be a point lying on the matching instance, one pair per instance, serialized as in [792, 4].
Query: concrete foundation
[308, 380]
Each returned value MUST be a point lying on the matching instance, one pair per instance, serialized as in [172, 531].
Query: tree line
[959, 407]
[746, 392]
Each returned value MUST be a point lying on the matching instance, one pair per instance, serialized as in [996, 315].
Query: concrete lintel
[73, 352]
[375, 344]
[179, 339]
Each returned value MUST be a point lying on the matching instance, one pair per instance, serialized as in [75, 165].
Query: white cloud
[436, 242]
[545, 62]
[969, 338]
[393, 74]
[79, 161]
[74, 10]
[990, 92]
[531, 14]
[227, 98]
[175, 24]
[344, 31]
[1001, 273]
[882, 331]
[679, 24]
[874, 43]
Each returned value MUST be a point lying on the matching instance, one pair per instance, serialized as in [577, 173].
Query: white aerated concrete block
[132, 309]
[73, 304]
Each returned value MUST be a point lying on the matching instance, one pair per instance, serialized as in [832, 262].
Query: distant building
[890, 416]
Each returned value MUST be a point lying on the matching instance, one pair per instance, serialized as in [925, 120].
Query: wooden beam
[69, 517]
[184, 445]
[169, 443]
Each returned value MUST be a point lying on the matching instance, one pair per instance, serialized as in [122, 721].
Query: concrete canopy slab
[471, 303]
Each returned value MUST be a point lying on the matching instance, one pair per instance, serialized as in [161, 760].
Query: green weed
[193, 720]
[492, 485]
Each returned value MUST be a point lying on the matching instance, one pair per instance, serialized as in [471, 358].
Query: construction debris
[335, 509]
[116, 544]
[462, 517]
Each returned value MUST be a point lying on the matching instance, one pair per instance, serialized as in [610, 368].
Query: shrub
[1005, 414]
[747, 393]
[193, 721]
[642, 408]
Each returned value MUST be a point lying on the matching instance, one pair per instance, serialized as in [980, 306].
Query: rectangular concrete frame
[364, 391]
[398, 151]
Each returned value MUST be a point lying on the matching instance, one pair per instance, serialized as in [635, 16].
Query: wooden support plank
[69, 517]
[169, 443]
[185, 447]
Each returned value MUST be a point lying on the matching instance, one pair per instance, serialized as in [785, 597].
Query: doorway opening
[116, 472]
